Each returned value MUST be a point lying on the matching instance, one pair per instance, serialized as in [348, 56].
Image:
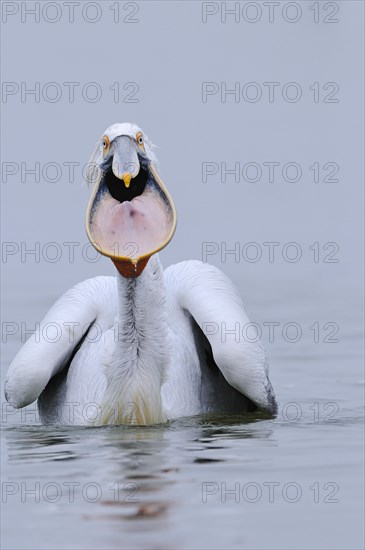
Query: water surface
[294, 481]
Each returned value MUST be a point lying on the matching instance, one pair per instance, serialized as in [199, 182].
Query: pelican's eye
[105, 143]
[140, 140]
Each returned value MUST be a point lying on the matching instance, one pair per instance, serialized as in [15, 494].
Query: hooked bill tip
[126, 178]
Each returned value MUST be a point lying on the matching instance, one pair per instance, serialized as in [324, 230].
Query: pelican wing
[55, 341]
[212, 300]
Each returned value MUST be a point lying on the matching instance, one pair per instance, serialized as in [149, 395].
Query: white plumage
[136, 349]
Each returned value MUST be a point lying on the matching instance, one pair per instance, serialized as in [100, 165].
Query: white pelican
[146, 346]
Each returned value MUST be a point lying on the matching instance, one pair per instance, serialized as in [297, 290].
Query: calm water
[295, 481]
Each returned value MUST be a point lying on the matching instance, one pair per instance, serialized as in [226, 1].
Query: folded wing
[212, 300]
[53, 344]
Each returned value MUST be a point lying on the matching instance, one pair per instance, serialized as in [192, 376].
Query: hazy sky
[296, 113]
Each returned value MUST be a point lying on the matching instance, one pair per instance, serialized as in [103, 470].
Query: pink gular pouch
[130, 215]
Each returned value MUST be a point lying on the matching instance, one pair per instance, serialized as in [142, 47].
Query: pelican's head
[130, 215]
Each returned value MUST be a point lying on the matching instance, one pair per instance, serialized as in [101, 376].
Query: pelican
[147, 346]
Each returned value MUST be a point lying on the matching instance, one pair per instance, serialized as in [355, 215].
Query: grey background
[169, 53]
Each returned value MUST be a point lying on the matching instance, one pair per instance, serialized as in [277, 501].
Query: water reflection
[141, 482]
[135, 470]
[133, 442]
